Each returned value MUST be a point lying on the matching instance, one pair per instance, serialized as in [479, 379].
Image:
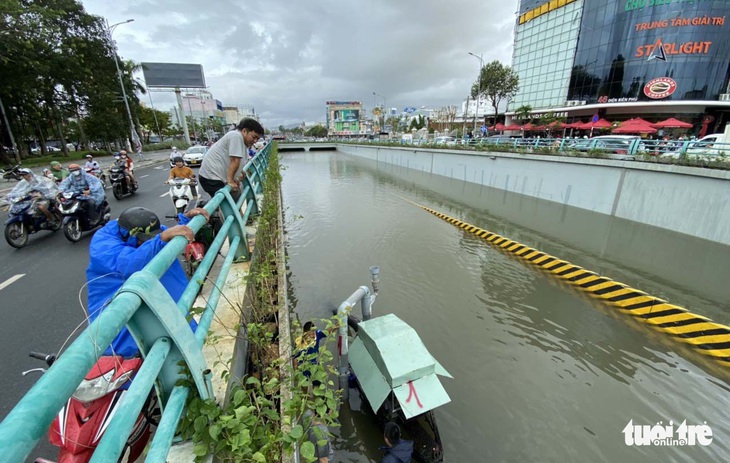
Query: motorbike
[180, 192]
[119, 181]
[80, 425]
[23, 222]
[13, 173]
[75, 220]
[100, 175]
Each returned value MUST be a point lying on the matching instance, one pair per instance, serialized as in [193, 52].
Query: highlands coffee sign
[659, 88]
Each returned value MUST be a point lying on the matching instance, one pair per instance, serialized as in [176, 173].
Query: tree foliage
[318, 131]
[496, 82]
[56, 66]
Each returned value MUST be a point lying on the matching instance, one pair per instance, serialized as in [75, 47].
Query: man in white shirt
[222, 163]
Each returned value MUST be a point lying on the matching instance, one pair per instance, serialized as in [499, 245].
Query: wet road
[541, 372]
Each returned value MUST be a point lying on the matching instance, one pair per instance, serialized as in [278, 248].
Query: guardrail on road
[165, 339]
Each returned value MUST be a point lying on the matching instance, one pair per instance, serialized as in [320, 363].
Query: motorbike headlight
[92, 389]
[72, 209]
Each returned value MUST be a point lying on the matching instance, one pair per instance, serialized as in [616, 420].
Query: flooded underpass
[541, 371]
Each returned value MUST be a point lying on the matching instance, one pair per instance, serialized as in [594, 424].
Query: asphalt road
[41, 284]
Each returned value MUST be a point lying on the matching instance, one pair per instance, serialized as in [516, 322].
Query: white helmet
[174, 148]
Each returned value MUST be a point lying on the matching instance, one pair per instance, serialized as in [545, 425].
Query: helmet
[177, 159]
[174, 148]
[123, 153]
[139, 222]
[89, 156]
[25, 171]
[74, 167]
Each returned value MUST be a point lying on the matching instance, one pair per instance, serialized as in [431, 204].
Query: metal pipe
[342, 312]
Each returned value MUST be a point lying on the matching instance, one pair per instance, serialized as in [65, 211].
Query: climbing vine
[249, 427]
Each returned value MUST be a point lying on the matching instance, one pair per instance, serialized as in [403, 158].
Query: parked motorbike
[119, 181]
[80, 425]
[180, 192]
[12, 173]
[100, 175]
[75, 218]
[23, 222]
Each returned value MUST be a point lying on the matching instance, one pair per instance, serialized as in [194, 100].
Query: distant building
[343, 118]
[620, 59]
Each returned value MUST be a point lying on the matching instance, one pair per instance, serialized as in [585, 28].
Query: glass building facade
[622, 53]
[543, 55]
[625, 45]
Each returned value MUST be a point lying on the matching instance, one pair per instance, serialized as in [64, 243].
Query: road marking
[166, 194]
[11, 280]
[143, 176]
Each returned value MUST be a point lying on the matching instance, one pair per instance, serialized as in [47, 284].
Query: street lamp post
[384, 108]
[479, 98]
[110, 30]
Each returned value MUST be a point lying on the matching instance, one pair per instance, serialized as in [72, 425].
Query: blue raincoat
[78, 184]
[113, 261]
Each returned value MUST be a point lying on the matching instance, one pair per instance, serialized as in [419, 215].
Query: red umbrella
[512, 127]
[499, 126]
[599, 124]
[636, 120]
[673, 123]
[634, 128]
[557, 125]
[528, 127]
[573, 125]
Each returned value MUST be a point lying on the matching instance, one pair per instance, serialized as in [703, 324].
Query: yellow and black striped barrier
[707, 337]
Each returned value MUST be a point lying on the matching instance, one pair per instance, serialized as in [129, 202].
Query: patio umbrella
[634, 128]
[672, 123]
[636, 120]
[528, 127]
[556, 125]
[512, 127]
[572, 125]
[499, 126]
[599, 124]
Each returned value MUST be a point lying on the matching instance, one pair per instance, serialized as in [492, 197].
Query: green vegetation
[496, 82]
[249, 428]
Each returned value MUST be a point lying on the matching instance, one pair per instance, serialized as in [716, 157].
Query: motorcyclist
[181, 171]
[174, 153]
[123, 247]
[59, 173]
[92, 165]
[42, 190]
[86, 185]
[129, 168]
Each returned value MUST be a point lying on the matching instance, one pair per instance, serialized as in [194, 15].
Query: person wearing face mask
[123, 247]
[87, 186]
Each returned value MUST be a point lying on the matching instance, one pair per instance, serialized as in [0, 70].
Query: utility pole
[479, 92]
[110, 30]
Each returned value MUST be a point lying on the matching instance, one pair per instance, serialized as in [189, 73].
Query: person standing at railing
[222, 164]
[123, 247]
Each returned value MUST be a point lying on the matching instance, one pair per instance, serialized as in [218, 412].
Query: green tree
[496, 82]
[149, 119]
[318, 131]
[523, 112]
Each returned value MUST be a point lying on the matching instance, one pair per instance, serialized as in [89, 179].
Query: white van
[715, 144]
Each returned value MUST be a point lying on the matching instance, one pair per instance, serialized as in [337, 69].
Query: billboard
[173, 75]
[349, 115]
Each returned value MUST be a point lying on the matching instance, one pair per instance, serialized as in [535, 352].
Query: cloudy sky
[286, 58]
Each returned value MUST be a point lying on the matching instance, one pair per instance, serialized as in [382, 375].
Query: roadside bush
[166, 145]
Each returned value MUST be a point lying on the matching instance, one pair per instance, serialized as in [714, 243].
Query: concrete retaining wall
[687, 200]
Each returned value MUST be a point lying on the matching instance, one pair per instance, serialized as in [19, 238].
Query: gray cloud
[287, 58]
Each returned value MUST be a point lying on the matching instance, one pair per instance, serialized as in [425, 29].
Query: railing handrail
[164, 338]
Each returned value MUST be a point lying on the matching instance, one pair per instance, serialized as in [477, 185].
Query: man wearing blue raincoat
[87, 186]
[123, 247]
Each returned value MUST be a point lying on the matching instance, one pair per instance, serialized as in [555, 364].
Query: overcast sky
[287, 58]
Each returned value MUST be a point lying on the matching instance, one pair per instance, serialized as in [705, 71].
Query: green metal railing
[161, 330]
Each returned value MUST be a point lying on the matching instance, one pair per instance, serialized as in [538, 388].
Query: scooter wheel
[16, 235]
[118, 192]
[72, 230]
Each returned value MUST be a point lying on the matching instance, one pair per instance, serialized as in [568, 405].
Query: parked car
[448, 141]
[194, 155]
[713, 145]
[617, 146]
